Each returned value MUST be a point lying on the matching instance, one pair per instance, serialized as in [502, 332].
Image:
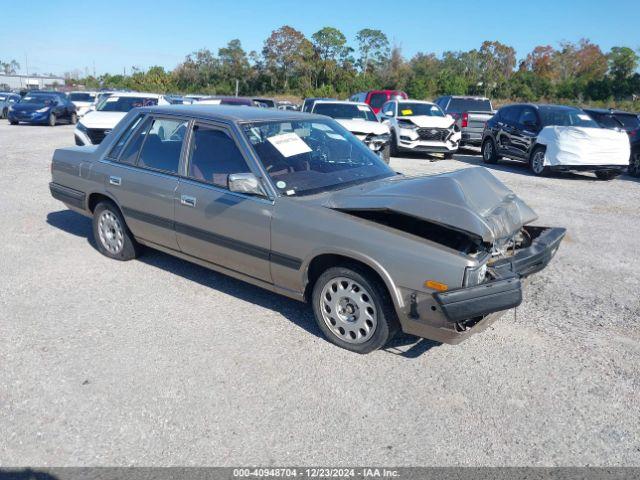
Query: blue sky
[63, 35]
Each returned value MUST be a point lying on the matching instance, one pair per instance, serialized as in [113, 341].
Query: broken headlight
[476, 275]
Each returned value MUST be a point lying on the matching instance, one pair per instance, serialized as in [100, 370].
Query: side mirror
[388, 113]
[245, 183]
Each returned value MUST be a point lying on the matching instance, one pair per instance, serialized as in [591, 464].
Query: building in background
[30, 82]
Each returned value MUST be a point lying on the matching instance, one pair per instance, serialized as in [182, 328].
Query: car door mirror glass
[246, 183]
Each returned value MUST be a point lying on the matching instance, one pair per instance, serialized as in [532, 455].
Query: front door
[225, 228]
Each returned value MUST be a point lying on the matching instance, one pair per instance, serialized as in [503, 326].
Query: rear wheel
[448, 155]
[634, 165]
[607, 174]
[4, 113]
[52, 119]
[536, 162]
[13, 122]
[489, 153]
[353, 309]
[73, 119]
[112, 236]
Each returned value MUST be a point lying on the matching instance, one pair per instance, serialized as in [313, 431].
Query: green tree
[10, 67]
[330, 45]
[286, 53]
[234, 65]
[623, 61]
[497, 61]
[373, 47]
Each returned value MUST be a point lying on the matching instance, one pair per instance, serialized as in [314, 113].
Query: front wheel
[607, 174]
[489, 154]
[634, 165]
[4, 113]
[52, 119]
[537, 162]
[73, 119]
[448, 155]
[353, 309]
[385, 154]
[112, 236]
[13, 122]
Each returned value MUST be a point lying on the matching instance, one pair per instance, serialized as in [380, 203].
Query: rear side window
[214, 155]
[460, 105]
[510, 114]
[630, 122]
[162, 145]
[130, 154]
[606, 120]
[377, 99]
[117, 148]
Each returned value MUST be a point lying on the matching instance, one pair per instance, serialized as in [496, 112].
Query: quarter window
[130, 154]
[214, 155]
[117, 148]
[162, 145]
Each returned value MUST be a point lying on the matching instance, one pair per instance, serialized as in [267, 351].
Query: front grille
[96, 135]
[433, 134]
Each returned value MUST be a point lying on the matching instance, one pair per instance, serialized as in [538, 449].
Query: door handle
[115, 181]
[188, 200]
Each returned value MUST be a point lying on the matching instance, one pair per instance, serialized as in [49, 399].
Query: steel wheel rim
[487, 150]
[348, 310]
[110, 232]
[538, 162]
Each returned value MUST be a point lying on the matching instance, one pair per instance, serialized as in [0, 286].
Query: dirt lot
[159, 362]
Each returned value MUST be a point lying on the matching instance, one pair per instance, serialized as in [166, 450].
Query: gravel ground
[160, 362]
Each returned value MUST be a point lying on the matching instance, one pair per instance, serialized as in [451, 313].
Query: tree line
[326, 64]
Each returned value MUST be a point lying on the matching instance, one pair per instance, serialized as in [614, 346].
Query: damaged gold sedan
[296, 204]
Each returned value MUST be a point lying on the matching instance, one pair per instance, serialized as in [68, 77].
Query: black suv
[619, 120]
[513, 131]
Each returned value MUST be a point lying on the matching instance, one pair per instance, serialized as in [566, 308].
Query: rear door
[144, 179]
[525, 132]
[212, 223]
[506, 128]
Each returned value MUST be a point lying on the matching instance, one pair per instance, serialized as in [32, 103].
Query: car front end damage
[430, 139]
[472, 215]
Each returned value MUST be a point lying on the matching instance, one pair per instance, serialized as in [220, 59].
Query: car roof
[608, 111]
[135, 94]
[342, 102]
[408, 100]
[232, 113]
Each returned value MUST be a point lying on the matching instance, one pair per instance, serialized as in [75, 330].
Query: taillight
[465, 120]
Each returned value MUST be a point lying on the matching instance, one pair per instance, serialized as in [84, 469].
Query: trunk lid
[471, 200]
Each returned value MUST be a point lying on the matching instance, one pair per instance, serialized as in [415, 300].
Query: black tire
[13, 122]
[634, 165]
[385, 154]
[127, 248]
[5, 112]
[448, 155]
[393, 145]
[489, 151]
[387, 321]
[52, 120]
[534, 166]
[607, 174]
[73, 119]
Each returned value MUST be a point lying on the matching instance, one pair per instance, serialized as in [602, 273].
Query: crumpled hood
[577, 146]
[431, 122]
[97, 119]
[471, 200]
[363, 126]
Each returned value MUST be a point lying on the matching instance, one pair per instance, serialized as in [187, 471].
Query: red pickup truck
[376, 98]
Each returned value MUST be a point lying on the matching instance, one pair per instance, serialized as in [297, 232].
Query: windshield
[82, 97]
[427, 109]
[38, 99]
[460, 105]
[565, 117]
[345, 111]
[115, 103]
[305, 157]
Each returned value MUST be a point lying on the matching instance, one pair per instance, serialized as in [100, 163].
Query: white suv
[420, 127]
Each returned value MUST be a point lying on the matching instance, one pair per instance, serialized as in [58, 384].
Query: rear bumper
[587, 168]
[69, 196]
[471, 138]
[469, 310]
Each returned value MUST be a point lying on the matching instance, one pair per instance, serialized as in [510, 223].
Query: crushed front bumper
[466, 311]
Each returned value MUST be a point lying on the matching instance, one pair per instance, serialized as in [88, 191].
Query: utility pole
[94, 69]
[237, 85]
[26, 63]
